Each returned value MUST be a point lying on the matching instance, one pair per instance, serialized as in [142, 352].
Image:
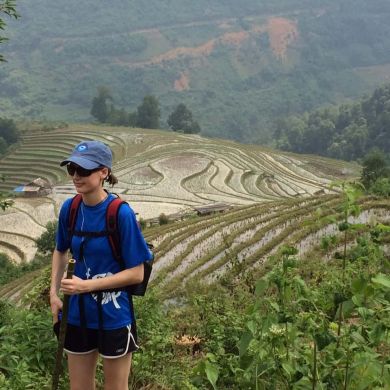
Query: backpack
[113, 236]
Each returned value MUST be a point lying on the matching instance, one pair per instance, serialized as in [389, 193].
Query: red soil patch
[199, 51]
[204, 50]
[282, 32]
[183, 83]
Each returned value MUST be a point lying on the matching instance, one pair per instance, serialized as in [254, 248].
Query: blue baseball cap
[90, 155]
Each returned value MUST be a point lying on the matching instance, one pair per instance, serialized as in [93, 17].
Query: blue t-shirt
[98, 260]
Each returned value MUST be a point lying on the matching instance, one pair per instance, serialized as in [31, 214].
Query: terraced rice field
[242, 240]
[245, 238]
[160, 172]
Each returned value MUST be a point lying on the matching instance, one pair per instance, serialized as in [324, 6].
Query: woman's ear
[105, 173]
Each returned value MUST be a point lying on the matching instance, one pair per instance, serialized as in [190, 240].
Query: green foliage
[327, 242]
[142, 223]
[8, 269]
[148, 113]
[146, 116]
[290, 337]
[163, 219]
[3, 146]
[27, 350]
[381, 187]
[8, 131]
[156, 334]
[99, 108]
[47, 241]
[7, 7]
[120, 117]
[11, 270]
[4, 313]
[347, 132]
[181, 119]
[5, 198]
[374, 168]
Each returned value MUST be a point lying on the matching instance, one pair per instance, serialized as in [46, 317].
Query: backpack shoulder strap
[74, 208]
[112, 214]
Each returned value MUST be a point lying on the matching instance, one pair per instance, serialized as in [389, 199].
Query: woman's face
[91, 183]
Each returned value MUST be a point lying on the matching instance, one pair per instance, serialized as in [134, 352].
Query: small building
[38, 187]
[209, 209]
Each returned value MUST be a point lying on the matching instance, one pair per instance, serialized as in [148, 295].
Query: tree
[132, 120]
[181, 119]
[8, 130]
[99, 109]
[3, 146]
[7, 7]
[374, 168]
[148, 113]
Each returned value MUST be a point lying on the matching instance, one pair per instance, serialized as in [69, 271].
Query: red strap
[74, 207]
[112, 227]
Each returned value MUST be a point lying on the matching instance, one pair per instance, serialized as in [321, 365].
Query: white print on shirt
[107, 296]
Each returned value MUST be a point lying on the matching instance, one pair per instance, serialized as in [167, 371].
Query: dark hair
[111, 179]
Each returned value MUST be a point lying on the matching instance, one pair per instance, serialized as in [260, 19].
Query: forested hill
[347, 132]
[238, 65]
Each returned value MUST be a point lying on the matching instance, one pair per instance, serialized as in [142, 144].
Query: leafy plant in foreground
[291, 338]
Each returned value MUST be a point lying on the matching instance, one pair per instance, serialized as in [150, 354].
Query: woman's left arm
[124, 278]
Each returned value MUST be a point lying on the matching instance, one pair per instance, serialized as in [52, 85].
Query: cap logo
[82, 148]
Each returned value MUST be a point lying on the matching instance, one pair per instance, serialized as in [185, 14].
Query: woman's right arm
[60, 259]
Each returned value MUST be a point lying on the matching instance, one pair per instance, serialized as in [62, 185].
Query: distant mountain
[238, 65]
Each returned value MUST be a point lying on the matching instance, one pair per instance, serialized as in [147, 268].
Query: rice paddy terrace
[243, 240]
[162, 171]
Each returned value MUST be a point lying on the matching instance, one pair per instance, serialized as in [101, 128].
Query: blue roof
[19, 189]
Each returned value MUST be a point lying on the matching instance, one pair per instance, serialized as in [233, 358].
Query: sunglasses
[82, 172]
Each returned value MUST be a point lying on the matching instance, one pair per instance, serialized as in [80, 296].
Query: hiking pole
[62, 332]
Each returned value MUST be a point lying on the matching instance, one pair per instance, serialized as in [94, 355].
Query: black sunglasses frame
[82, 172]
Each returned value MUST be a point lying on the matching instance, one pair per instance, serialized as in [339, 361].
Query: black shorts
[111, 344]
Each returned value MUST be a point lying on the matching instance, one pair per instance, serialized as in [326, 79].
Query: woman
[93, 330]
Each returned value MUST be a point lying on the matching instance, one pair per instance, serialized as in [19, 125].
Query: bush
[381, 187]
[9, 270]
[142, 223]
[47, 241]
[27, 350]
[4, 312]
[163, 219]
[8, 130]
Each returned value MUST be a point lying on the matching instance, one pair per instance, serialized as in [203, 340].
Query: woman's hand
[74, 286]
[56, 306]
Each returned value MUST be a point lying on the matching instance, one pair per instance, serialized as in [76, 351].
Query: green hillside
[238, 66]
[348, 131]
